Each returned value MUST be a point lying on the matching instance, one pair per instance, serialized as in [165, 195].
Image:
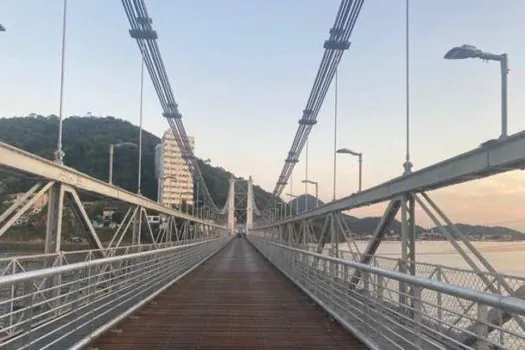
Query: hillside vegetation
[86, 142]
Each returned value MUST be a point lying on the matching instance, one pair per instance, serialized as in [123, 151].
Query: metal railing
[58, 307]
[499, 283]
[29, 262]
[392, 310]
[450, 275]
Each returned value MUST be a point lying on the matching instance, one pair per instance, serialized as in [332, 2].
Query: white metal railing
[29, 262]
[392, 310]
[55, 307]
[450, 275]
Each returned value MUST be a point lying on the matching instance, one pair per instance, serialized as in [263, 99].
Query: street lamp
[111, 151]
[360, 157]
[296, 203]
[469, 51]
[316, 184]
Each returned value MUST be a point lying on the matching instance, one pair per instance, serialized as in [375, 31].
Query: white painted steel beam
[28, 163]
[494, 157]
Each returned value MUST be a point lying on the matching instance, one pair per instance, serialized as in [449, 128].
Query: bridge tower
[231, 205]
[249, 205]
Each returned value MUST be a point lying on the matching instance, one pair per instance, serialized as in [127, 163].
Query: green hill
[86, 142]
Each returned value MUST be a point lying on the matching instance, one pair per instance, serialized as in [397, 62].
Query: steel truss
[27, 163]
[312, 230]
[82, 279]
[174, 229]
[314, 233]
[489, 159]
[61, 184]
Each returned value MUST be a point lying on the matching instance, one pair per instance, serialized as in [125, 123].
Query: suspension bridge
[294, 280]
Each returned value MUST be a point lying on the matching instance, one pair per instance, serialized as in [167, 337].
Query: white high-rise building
[175, 184]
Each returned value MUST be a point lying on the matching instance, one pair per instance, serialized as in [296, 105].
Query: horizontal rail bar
[489, 159]
[29, 163]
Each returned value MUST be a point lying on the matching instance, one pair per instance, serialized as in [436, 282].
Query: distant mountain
[86, 143]
[487, 231]
[305, 202]
[367, 225]
[362, 226]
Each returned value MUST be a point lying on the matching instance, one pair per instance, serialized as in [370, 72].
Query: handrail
[507, 303]
[49, 271]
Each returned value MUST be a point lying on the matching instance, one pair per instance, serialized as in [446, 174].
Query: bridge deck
[236, 300]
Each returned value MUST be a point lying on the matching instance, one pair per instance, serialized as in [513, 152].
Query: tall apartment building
[175, 184]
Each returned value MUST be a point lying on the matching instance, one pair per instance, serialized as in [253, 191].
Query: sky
[241, 72]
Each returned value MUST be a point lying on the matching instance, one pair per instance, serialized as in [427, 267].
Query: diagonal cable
[142, 31]
[334, 47]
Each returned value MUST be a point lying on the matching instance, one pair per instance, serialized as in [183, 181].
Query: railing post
[417, 305]
[366, 281]
[402, 290]
[13, 291]
[439, 276]
[29, 299]
[380, 289]
[482, 329]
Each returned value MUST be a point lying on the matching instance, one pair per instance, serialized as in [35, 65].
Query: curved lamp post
[469, 51]
[316, 184]
[360, 157]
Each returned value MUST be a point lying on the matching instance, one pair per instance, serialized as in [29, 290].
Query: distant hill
[367, 225]
[310, 203]
[488, 230]
[362, 226]
[86, 143]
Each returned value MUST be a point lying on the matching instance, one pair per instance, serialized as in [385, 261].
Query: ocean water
[505, 257]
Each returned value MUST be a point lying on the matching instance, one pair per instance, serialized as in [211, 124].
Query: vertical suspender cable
[335, 134]
[139, 175]
[407, 165]
[59, 154]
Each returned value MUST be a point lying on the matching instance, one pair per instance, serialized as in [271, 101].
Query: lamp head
[125, 144]
[347, 151]
[462, 52]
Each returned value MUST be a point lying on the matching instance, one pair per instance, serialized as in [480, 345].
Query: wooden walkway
[235, 300]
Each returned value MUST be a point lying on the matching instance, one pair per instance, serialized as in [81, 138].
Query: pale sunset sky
[241, 71]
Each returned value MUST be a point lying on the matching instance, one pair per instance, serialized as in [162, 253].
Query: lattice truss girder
[63, 198]
[328, 233]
